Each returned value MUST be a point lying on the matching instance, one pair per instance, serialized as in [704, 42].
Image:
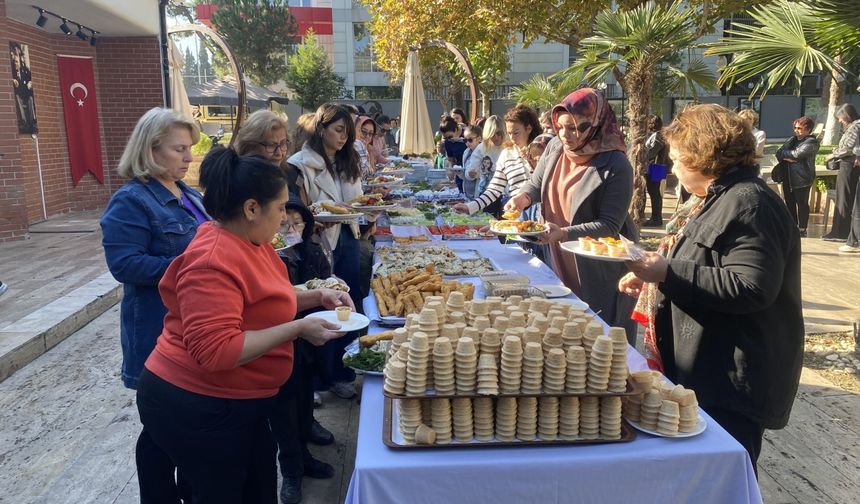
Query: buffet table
[708, 468]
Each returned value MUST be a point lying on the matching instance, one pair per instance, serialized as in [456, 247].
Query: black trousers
[223, 447]
[853, 239]
[797, 201]
[293, 413]
[747, 432]
[846, 192]
[656, 197]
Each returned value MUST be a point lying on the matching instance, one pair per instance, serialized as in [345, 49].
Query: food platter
[701, 425]
[576, 248]
[384, 180]
[331, 217]
[373, 208]
[327, 283]
[518, 228]
[356, 355]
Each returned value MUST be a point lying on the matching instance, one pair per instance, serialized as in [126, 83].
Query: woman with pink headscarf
[584, 183]
[365, 129]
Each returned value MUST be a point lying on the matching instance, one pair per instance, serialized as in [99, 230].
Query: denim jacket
[144, 227]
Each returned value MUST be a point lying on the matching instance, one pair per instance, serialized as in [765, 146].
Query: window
[378, 92]
[747, 103]
[300, 3]
[363, 55]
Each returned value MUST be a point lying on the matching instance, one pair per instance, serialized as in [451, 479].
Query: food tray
[633, 388]
[390, 435]
[509, 290]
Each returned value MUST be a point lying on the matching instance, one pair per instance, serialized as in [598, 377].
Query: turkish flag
[78, 88]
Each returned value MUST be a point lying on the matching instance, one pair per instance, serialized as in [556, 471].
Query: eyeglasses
[470, 140]
[272, 148]
[365, 132]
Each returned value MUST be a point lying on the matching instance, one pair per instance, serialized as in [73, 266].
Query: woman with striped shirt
[512, 169]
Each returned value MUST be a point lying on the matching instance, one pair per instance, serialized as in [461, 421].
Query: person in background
[147, 223]
[658, 154]
[512, 169]
[537, 148]
[454, 146]
[723, 292]
[208, 387]
[395, 130]
[367, 134]
[852, 243]
[365, 166]
[458, 115]
[473, 139]
[328, 163]
[384, 126]
[292, 420]
[849, 175]
[798, 154]
[584, 184]
[546, 123]
[265, 134]
[750, 116]
[494, 135]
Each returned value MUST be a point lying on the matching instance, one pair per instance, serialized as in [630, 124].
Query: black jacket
[730, 322]
[307, 260]
[801, 173]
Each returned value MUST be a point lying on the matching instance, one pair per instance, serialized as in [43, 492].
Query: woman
[512, 169]
[848, 176]
[798, 157]
[658, 154]
[328, 164]
[460, 117]
[727, 307]
[366, 129]
[750, 117]
[148, 222]
[584, 184]
[207, 389]
[473, 140]
[265, 134]
[486, 154]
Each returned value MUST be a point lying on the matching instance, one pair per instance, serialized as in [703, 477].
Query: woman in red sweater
[227, 343]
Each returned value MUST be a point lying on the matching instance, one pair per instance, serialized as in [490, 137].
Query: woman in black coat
[724, 301]
[798, 157]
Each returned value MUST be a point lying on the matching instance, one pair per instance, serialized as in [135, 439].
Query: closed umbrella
[178, 95]
[416, 132]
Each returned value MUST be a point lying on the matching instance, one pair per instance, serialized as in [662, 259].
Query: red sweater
[220, 287]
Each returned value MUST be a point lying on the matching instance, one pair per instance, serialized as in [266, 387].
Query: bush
[202, 147]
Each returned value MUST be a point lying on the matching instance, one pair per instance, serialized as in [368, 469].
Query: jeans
[797, 201]
[223, 447]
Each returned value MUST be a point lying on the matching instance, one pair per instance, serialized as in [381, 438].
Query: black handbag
[778, 173]
[832, 164]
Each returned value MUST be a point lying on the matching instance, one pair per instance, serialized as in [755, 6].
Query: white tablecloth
[709, 468]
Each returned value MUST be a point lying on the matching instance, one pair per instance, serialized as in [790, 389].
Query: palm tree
[790, 40]
[541, 92]
[631, 44]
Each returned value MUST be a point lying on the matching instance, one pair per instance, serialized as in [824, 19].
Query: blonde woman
[482, 162]
[266, 134]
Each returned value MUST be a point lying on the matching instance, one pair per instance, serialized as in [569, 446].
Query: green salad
[366, 360]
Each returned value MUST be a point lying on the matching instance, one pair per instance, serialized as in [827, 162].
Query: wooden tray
[388, 424]
[633, 388]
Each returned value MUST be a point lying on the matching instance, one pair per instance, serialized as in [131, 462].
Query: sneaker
[320, 436]
[344, 390]
[318, 469]
[317, 400]
[849, 249]
[831, 238]
[291, 490]
[3, 288]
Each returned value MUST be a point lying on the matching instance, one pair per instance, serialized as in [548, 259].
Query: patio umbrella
[416, 132]
[178, 95]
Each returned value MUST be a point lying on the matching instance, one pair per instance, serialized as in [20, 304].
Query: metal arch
[238, 74]
[464, 62]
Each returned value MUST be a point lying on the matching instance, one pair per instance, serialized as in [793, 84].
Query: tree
[397, 25]
[204, 66]
[631, 45]
[260, 33]
[311, 77]
[790, 40]
[191, 69]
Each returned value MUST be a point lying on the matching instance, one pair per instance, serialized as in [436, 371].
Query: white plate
[576, 303]
[402, 171]
[356, 320]
[330, 217]
[353, 349]
[373, 208]
[530, 233]
[701, 425]
[554, 291]
[573, 246]
[396, 181]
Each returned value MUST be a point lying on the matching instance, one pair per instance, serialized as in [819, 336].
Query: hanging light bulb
[43, 19]
[65, 27]
[80, 33]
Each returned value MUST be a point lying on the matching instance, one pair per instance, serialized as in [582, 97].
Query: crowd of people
[227, 366]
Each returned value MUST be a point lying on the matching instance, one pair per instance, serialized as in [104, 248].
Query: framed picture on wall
[22, 85]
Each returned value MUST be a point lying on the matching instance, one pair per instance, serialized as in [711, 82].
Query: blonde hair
[152, 128]
[256, 127]
[711, 139]
[304, 129]
[492, 126]
[750, 116]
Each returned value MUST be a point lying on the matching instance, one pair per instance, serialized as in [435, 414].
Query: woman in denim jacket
[149, 221]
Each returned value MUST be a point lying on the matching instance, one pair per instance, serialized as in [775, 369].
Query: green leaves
[311, 76]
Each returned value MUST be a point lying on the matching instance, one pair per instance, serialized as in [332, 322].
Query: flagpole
[41, 180]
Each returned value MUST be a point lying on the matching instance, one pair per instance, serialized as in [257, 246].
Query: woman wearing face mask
[512, 169]
[329, 170]
[584, 183]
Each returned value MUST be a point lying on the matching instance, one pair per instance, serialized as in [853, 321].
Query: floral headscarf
[589, 104]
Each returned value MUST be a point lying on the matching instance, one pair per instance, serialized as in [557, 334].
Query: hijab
[603, 135]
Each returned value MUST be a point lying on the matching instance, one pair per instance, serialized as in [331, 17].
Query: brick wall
[128, 83]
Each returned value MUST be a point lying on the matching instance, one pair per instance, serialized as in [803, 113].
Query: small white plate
[574, 246]
[330, 217]
[701, 425]
[356, 320]
[554, 291]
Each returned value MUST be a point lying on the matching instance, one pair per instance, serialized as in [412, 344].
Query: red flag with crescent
[78, 88]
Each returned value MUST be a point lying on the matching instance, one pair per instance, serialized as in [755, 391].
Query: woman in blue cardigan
[149, 221]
